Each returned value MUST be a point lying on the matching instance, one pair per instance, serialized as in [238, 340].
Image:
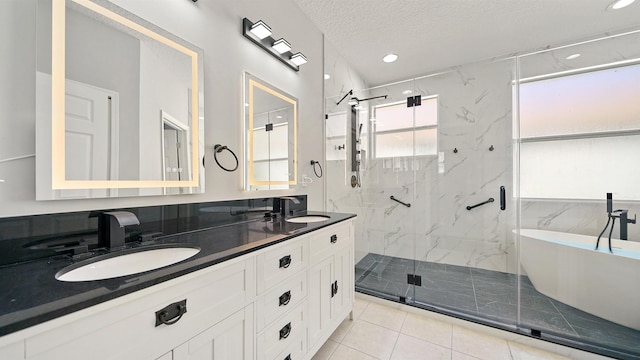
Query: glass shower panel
[579, 123]
[465, 251]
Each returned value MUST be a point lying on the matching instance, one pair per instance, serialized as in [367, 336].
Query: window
[580, 135]
[397, 135]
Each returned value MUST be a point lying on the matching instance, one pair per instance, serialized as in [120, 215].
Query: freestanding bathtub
[566, 267]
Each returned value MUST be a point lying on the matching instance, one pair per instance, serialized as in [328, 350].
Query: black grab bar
[396, 200]
[480, 204]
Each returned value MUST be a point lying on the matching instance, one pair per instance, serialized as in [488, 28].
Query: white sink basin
[128, 263]
[308, 219]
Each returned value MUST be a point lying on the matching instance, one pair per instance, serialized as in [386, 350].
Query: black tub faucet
[623, 215]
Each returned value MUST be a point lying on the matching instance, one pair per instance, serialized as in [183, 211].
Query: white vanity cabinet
[232, 338]
[13, 351]
[125, 328]
[277, 303]
[331, 281]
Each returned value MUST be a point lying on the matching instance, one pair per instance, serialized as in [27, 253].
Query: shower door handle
[503, 198]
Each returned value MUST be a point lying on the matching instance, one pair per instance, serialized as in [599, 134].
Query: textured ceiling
[431, 35]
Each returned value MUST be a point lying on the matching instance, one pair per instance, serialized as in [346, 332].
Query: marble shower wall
[475, 103]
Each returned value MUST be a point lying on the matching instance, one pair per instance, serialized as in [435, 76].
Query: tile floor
[491, 295]
[380, 332]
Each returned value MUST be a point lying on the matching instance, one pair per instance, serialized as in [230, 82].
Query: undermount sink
[308, 219]
[126, 262]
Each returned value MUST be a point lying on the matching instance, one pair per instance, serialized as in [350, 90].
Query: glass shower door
[465, 250]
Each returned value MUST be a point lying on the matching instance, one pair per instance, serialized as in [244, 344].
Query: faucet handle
[632, 221]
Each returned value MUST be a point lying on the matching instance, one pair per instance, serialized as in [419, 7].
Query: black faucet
[284, 205]
[111, 227]
[623, 215]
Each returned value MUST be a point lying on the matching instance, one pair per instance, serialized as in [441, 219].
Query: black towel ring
[217, 148]
[314, 163]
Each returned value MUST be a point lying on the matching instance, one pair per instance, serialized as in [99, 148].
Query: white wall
[215, 26]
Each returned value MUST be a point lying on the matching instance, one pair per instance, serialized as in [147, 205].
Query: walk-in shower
[536, 133]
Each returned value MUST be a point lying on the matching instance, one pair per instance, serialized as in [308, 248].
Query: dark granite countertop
[30, 294]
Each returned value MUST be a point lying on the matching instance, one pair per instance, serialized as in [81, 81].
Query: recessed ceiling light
[572, 56]
[619, 4]
[327, 76]
[389, 58]
[407, 92]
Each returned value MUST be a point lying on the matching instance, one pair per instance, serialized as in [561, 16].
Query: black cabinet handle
[334, 239]
[171, 313]
[285, 331]
[334, 288]
[285, 261]
[285, 298]
[503, 199]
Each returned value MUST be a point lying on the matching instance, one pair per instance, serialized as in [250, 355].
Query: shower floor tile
[490, 295]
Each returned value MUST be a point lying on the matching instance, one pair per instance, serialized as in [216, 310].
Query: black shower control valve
[285, 261]
[334, 239]
[285, 298]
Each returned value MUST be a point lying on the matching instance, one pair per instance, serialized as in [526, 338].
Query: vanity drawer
[280, 299]
[127, 327]
[296, 351]
[275, 265]
[282, 334]
[324, 242]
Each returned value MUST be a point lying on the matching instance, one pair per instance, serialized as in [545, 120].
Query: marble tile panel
[343, 352]
[524, 352]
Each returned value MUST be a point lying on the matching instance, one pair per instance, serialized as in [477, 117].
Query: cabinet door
[13, 351]
[344, 278]
[319, 289]
[232, 339]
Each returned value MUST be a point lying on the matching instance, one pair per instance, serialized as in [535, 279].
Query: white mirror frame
[58, 104]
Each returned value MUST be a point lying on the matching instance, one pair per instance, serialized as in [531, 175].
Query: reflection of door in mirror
[91, 116]
[175, 154]
[271, 136]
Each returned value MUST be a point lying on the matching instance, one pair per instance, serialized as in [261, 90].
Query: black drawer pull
[171, 313]
[285, 331]
[288, 357]
[285, 261]
[334, 239]
[285, 298]
[336, 286]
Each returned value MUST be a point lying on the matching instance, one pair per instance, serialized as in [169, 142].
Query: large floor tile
[373, 340]
[460, 356]
[359, 306]
[326, 350]
[384, 316]
[480, 345]
[410, 348]
[524, 352]
[342, 330]
[347, 353]
[427, 329]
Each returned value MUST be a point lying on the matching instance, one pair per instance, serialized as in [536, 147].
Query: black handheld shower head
[609, 203]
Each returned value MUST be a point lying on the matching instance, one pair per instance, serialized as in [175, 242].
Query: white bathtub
[566, 267]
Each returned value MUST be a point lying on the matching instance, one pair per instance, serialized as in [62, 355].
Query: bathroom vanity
[264, 289]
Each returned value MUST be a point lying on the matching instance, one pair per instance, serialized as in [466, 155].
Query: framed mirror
[271, 136]
[118, 102]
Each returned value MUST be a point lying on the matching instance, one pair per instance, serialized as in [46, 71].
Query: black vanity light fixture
[260, 34]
